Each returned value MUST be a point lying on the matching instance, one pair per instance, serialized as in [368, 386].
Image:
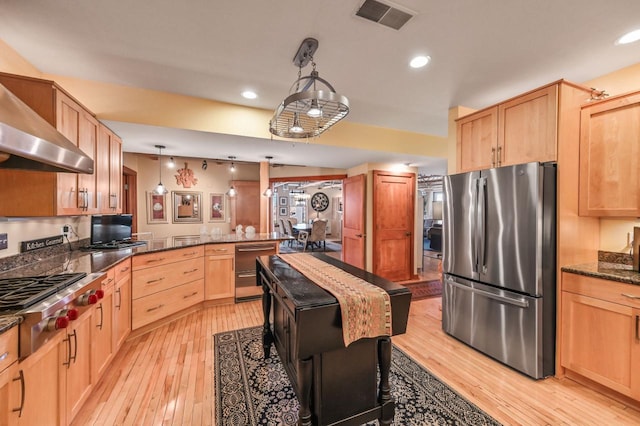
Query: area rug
[424, 289]
[250, 390]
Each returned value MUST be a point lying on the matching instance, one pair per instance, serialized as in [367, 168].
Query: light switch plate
[4, 241]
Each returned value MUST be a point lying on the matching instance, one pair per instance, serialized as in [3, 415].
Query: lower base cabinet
[600, 332]
[75, 366]
[121, 311]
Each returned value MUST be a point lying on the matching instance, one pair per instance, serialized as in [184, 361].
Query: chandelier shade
[309, 110]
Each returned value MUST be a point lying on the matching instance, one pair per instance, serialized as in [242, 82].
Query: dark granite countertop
[610, 266]
[91, 261]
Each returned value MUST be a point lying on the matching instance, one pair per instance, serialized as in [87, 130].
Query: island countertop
[610, 266]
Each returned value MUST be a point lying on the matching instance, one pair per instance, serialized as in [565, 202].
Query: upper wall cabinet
[519, 130]
[46, 194]
[609, 154]
[109, 171]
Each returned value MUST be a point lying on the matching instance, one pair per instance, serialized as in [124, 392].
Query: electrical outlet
[65, 231]
[4, 240]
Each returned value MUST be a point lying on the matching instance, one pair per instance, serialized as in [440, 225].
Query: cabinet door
[121, 311]
[102, 336]
[68, 115]
[88, 139]
[245, 206]
[75, 351]
[609, 152]
[527, 129]
[41, 374]
[101, 166]
[600, 341]
[9, 394]
[477, 136]
[115, 174]
[219, 276]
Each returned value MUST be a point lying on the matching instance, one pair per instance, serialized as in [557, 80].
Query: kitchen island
[335, 384]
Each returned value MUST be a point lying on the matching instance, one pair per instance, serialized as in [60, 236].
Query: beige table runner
[365, 308]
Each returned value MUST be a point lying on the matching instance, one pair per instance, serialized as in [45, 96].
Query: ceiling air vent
[383, 14]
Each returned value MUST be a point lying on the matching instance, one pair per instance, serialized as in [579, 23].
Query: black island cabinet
[335, 385]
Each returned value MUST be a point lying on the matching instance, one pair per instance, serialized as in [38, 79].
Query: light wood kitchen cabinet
[520, 130]
[165, 283]
[219, 272]
[245, 206]
[109, 171]
[122, 304]
[75, 365]
[49, 194]
[102, 329]
[10, 381]
[600, 336]
[477, 137]
[609, 152]
[41, 378]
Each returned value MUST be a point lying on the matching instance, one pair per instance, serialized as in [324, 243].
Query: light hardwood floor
[166, 376]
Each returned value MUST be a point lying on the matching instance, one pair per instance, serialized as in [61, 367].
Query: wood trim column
[264, 201]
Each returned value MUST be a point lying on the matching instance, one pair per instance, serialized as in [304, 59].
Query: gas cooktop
[20, 293]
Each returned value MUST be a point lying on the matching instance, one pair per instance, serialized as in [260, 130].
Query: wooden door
[609, 153]
[121, 311]
[527, 127]
[88, 139]
[353, 220]
[477, 137]
[78, 372]
[245, 206]
[219, 282]
[130, 195]
[68, 122]
[393, 224]
[101, 166]
[102, 336]
[115, 174]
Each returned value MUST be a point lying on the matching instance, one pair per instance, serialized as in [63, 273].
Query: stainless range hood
[28, 142]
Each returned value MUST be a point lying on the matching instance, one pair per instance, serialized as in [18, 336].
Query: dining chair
[318, 234]
[303, 237]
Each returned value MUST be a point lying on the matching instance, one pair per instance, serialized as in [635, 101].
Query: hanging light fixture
[308, 111]
[232, 190]
[171, 164]
[268, 192]
[160, 189]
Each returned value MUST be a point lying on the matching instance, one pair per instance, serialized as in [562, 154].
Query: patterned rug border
[264, 396]
[416, 293]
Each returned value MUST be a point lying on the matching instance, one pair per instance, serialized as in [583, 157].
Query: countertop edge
[606, 271]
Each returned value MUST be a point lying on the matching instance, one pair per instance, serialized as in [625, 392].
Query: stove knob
[72, 314]
[56, 323]
[100, 294]
[88, 298]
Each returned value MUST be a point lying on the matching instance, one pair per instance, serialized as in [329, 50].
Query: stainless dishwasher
[246, 253]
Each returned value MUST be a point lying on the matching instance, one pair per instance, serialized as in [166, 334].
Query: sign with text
[41, 243]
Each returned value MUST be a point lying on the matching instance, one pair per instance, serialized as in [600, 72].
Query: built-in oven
[246, 253]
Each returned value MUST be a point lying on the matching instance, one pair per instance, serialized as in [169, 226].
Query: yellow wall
[613, 232]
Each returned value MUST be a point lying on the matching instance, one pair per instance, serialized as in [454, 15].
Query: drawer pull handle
[190, 295]
[221, 250]
[246, 275]
[631, 296]
[637, 327]
[124, 269]
[155, 281]
[4, 356]
[155, 308]
[22, 393]
[159, 259]
[188, 272]
[106, 282]
[257, 248]
[191, 253]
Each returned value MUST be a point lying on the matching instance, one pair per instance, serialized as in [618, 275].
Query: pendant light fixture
[268, 192]
[160, 189]
[232, 190]
[309, 110]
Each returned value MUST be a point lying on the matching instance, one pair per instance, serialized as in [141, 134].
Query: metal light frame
[294, 109]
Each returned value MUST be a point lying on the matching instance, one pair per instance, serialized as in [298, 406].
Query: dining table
[303, 227]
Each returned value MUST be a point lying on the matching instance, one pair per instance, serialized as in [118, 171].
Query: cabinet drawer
[166, 257]
[159, 305]
[123, 269]
[8, 347]
[152, 280]
[611, 291]
[108, 280]
[219, 249]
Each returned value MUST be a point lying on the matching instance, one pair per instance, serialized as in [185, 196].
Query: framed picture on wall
[283, 211]
[156, 208]
[217, 210]
[187, 207]
[283, 201]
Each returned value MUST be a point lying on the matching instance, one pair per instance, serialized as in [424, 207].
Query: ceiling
[482, 51]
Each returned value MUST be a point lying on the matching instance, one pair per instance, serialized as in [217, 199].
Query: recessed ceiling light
[629, 37]
[248, 94]
[419, 61]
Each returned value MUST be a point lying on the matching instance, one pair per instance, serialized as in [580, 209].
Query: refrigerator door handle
[482, 225]
[474, 227]
[522, 303]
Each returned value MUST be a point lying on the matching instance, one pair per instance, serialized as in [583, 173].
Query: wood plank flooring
[166, 376]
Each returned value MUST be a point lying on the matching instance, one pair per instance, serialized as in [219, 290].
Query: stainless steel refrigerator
[499, 264]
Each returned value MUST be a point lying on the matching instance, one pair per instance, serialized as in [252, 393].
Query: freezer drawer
[504, 325]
